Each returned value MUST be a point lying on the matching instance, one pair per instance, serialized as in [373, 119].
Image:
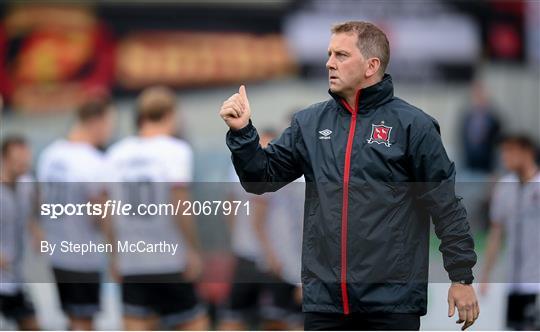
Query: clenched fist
[235, 111]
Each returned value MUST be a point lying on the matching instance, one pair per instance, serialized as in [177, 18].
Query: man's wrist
[459, 274]
[243, 130]
[463, 282]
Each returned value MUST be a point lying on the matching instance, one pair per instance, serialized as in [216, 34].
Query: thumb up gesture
[235, 111]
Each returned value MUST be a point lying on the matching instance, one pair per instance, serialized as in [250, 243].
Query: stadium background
[55, 54]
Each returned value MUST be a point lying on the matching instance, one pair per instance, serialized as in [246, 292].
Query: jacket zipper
[345, 208]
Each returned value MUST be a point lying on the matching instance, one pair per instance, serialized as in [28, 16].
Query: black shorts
[16, 307]
[78, 292]
[165, 295]
[253, 290]
[278, 303]
[521, 311]
[315, 321]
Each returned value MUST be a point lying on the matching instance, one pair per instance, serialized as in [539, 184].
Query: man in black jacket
[376, 172]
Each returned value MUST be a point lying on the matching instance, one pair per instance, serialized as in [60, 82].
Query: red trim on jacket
[345, 208]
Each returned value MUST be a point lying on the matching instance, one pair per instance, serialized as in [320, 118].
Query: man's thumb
[243, 93]
[451, 307]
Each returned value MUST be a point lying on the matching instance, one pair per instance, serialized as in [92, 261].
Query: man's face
[346, 65]
[18, 159]
[479, 96]
[513, 156]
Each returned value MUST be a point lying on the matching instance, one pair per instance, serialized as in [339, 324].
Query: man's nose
[330, 64]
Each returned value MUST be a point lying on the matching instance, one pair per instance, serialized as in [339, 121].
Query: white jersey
[517, 207]
[145, 170]
[72, 173]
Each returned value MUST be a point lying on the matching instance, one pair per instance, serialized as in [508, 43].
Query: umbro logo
[325, 134]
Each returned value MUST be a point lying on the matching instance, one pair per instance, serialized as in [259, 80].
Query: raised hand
[235, 111]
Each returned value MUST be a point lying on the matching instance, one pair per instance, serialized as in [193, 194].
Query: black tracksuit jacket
[375, 173]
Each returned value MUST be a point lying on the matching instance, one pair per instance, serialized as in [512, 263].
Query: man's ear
[373, 67]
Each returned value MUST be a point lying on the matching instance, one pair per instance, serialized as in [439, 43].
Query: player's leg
[240, 306]
[138, 311]
[79, 296]
[17, 308]
[179, 306]
[77, 323]
[134, 323]
[520, 311]
[243, 301]
[200, 323]
[29, 323]
[278, 311]
[297, 319]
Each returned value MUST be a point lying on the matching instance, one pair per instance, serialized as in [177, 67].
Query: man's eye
[338, 55]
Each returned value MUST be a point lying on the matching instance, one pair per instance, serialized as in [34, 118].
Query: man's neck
[151, 131]
[6, 178]
[80, 135]
[350, 98]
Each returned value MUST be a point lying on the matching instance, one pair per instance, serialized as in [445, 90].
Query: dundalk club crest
[380, 134]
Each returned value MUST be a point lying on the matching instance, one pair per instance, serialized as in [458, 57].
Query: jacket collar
[370, 97]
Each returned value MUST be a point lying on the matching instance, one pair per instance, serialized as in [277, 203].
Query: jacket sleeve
[434, 176]
[263, 170]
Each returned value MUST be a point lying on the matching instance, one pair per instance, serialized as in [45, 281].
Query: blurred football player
[15, 162]
[71, 171]
[264, 246]
[155, 167]
[515, 211]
